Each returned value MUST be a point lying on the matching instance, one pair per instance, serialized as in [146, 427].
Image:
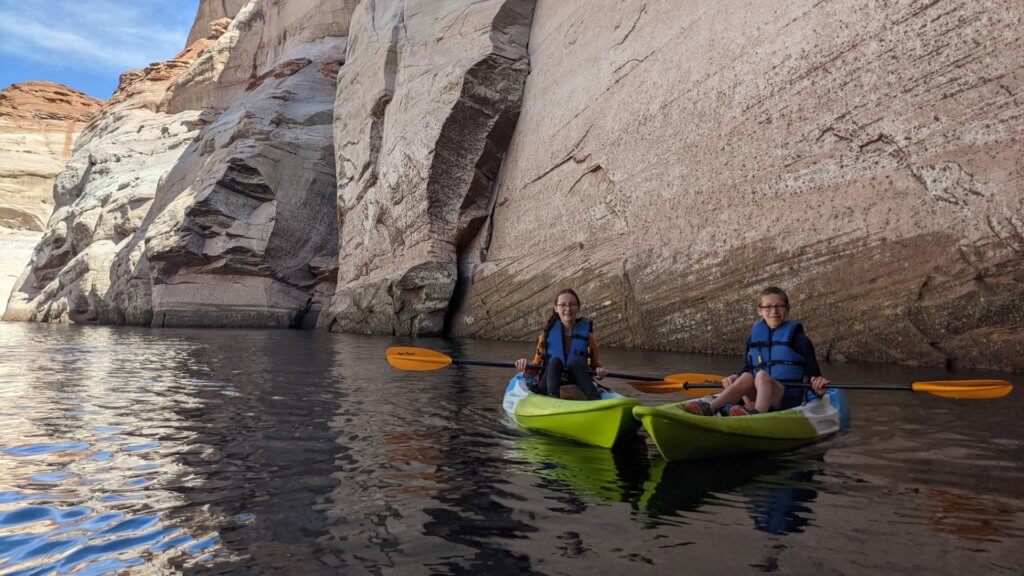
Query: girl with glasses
[567, 348]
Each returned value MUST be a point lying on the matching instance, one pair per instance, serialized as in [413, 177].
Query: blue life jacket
[579, 348]
[772, 350]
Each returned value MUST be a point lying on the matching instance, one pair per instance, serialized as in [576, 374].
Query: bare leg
[769, 392]
[740, 387]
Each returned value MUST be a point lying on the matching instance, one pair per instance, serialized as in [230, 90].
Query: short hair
[773, 290]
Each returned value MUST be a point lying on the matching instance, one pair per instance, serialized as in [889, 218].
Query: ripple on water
[51, 477]
[27, 515]
[45, 448]
[140, 447]
[9, 496]
[79, 540]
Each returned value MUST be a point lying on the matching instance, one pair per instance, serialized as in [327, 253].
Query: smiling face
[567, 306]
[774, 309]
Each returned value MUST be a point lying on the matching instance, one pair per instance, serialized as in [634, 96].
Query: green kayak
[680, 435]
[595, 422]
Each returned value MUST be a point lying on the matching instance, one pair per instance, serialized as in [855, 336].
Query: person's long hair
[554, 315]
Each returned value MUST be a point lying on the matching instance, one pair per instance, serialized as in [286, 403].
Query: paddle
[960, 389]
[422, 360]
[676, 382]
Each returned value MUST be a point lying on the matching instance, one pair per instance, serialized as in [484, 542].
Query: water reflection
[970, 517]
[776, 492]
[85, 466]
[212, 451]
[266, 457]
[616, 475]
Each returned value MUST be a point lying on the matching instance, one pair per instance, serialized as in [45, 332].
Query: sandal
[738, 410]
[700, 407]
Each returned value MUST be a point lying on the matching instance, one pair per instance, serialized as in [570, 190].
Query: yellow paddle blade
[972, 389]
[417, 359]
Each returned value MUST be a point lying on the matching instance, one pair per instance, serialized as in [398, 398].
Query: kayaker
[778, 353]
[568, 349]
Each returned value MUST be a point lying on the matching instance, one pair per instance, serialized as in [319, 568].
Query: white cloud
[100, 35]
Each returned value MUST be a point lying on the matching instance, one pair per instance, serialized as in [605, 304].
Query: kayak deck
[680, 435]
[595, 422]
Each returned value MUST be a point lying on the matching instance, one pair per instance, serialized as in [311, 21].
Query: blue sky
[87, 44]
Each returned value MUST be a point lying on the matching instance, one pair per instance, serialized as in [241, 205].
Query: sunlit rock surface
[209, 12]
[228, 216]
[426, 105]
[247, 233]
[15, 250]
[424, 167]
[88, 267]
[39, 122]
[673, 159]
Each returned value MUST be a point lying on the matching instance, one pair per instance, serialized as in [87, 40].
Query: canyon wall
[672, 159]
[420, 167]
[426, 106]
[39, 122]
[168, 212]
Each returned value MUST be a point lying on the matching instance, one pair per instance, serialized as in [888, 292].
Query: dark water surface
[144, 451]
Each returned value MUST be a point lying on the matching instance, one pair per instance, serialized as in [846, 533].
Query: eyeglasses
[776, 307]
[564, 306]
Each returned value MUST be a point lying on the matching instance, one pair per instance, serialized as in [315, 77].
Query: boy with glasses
[778, 353]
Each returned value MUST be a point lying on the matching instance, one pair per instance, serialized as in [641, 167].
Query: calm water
[251, 452]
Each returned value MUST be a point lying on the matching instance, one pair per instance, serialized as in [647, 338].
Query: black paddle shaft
[541, 366]
[687, 386]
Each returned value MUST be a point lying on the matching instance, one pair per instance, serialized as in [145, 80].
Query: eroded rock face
[260, 41]
[672, 160]
[248, 236]
[15, 251]
[39, 122]
[88, 266]
[426, 104]
[201, 196]
[209, 13]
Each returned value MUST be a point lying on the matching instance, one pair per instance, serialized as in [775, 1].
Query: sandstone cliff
[102, 197]
[209, 12]
[419, 167]
[248, 234]
[672, 159]
[426, 105]
[39, 122]
[169, 212]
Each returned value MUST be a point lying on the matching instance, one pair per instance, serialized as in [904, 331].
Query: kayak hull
[680, 435]
[593, 422]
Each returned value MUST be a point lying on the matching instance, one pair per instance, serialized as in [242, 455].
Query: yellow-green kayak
[595, 422]
[680, 435]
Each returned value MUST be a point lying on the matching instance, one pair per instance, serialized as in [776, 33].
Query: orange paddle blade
[656, 387]
[675, 382]
[971, 389]
[416, 359]
[693, 378]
